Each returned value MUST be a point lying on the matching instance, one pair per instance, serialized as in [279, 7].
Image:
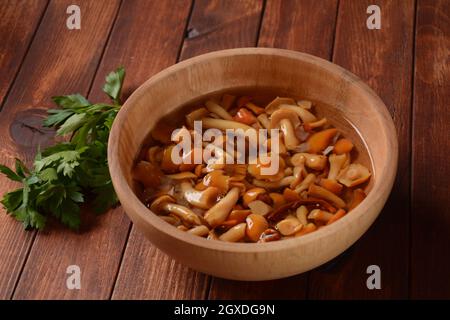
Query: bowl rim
[385, 177]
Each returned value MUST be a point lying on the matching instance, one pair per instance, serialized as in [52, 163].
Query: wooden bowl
[342, 95]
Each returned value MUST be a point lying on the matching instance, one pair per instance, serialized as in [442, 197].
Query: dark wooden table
[406, 62]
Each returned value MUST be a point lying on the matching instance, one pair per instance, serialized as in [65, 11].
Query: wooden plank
[218, 25]
[430, 262]
[157, 29]
[18, 23]
[298, 24]
[382, 58]
[293, 25]
[44, 73]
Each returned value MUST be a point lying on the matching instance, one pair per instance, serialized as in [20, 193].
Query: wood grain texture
[220, 25]
[16, 37]
[430, 260]
[298, 25]
[46, 72]
[382, 58]
[18, 23]
[98, 249]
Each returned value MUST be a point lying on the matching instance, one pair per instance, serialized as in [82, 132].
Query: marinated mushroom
[166, 204]
[353, 175]
[315, 184]
[256, 225]
[204, 199]
[286, 120]
[220, 211]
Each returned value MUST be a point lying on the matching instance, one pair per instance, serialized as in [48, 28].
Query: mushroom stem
[234, 234]
[220, 211]
[224, 124]
[182, 212]
[202, 199]
[201, 231]
[304, 185]
[336, 163]
[290, 139]
[215, 108]
[323, 193]
[284, 182]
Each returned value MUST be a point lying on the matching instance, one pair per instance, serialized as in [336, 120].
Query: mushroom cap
[275, 104]
[281, 114]
[353, 175]
[252, 194]
[158, 203]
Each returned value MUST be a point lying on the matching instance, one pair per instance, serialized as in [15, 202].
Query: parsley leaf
[67, 174]
[113, 84]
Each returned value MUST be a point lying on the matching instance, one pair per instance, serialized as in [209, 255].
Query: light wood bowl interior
[339, 95]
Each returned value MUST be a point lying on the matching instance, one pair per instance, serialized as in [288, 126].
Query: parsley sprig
[67, 174]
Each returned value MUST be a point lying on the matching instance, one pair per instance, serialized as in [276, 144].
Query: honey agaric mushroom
[264, 121]
[196, 115]
[299, 171]
[305, 104]
[343, 146]
[277, 199]
[309, 126]
[245, 116]
[358, 196]
[277, 102]
[167, 165]
[336, 164]
[271, 185]
[216, 109]
[181, 176]
[254, 108]
[287, 120]
[353, 175]
[166, 203]
[239, 215]
[304, 114]
[339, 214]
[318, 141]
[173, 220]
[147, 173]
[289, 226]
[304, 185]
[331, 185]
[320, 215]
[252, 195]
[313, 161]
[323, 193]
[200, 231]
[256, 225]
[202, 199]
[259, 207]
[256, 169]
[220, 211]
[234, 234]
[281, 147]
[290, 195]
[269, 235]
[301, 214]
[222, 124]
[217, 179]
